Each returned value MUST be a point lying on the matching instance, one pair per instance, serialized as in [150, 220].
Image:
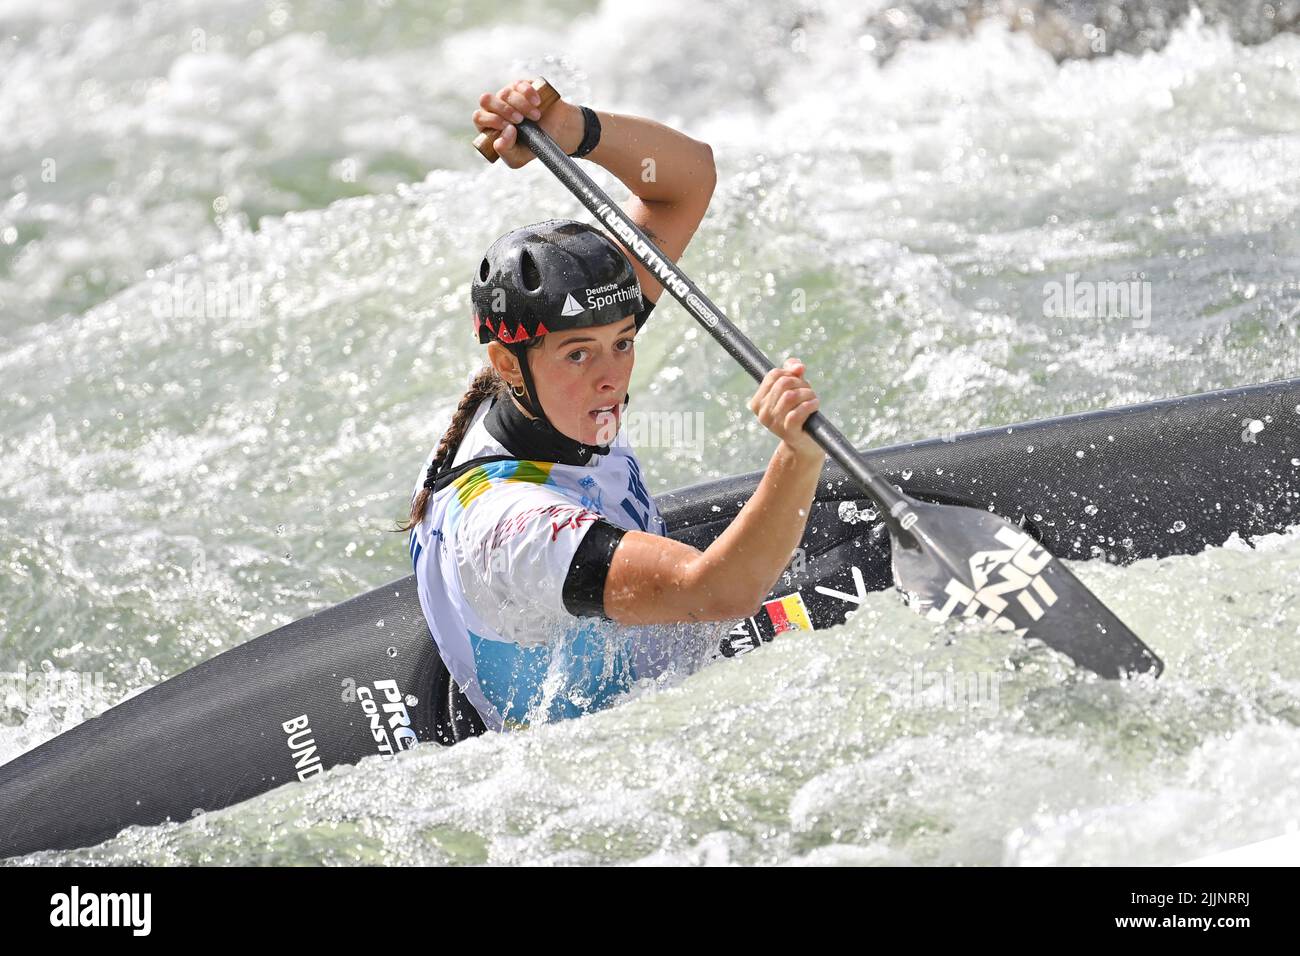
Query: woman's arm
[655, 580]
[671, 176]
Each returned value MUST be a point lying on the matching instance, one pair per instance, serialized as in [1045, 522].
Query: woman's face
[582, 377]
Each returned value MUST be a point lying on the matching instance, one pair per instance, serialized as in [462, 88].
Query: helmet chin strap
[531, 402]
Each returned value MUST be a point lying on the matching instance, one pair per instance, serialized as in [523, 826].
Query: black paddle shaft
[887, 498]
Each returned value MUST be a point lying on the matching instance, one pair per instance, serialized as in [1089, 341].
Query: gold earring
[518, 390]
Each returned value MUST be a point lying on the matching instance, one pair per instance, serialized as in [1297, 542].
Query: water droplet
[1090, 510]
[392, 652]
[1178, 526]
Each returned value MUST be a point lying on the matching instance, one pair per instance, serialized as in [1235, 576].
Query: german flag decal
[788, 613]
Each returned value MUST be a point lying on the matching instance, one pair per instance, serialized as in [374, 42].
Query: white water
[172, 485]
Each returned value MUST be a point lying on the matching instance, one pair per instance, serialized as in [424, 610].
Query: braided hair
[488, 383]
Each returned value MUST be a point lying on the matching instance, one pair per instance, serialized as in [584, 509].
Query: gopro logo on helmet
[571, 306]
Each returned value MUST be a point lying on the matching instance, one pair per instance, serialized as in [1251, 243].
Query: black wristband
[590, 132]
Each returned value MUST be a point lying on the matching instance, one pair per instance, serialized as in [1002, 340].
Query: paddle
[947, 560]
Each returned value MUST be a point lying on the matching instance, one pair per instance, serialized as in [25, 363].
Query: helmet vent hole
[529, 273]
[484, 270]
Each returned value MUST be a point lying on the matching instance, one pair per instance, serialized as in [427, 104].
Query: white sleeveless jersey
[491, 557]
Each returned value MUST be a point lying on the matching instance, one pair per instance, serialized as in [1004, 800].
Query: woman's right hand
[499, 112]
[783, 402]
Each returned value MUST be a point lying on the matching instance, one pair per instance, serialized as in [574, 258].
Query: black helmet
[552, 276]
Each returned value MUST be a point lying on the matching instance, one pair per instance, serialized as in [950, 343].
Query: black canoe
[360, 678]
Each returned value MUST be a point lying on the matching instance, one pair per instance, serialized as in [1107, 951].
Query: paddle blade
[963, 562]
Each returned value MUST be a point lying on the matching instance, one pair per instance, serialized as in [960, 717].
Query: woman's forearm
[658, 164]
[656, 580]
[746, 560]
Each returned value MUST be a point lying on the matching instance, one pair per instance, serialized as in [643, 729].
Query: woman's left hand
[513, 103]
